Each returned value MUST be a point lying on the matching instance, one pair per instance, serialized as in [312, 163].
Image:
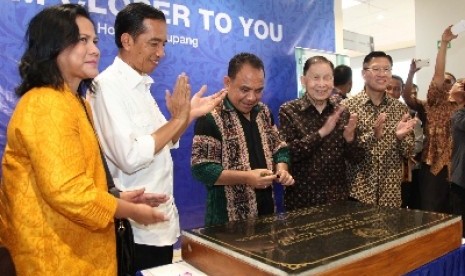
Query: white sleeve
[121, 142]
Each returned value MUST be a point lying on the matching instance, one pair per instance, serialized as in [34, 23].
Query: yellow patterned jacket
[55, 212]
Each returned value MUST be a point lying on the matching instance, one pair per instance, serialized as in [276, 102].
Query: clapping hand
[178, 103]
[378, 126]
[349, 129]
[405, 126]
[331, 122]
[202, 105]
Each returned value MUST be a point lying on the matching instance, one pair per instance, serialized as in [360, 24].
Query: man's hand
[140, 196]
[178, 103]
[405, 126]
[413, 67]
[202, 105]
[378, 126]
[349, 129]
[331, 122]
[447, 35]
[260, 178]
[153, 199]
[285, 178]
[145, 214]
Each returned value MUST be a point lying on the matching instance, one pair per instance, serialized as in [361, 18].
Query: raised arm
[440, 67]
[412, 103]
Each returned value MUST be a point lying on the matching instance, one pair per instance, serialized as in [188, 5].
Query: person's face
[349, 87]
[246, 89]
[457, 93]
[377, 74]
[146, 50]
[318, 81]
[80, 61]
[448, 81]
[414, 92]
[394, 88]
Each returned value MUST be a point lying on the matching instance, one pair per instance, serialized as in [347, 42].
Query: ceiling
[391, 23]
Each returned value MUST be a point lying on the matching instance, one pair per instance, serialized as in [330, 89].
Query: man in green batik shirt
[236, 151]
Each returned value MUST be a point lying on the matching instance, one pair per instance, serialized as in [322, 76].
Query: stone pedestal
[340, 239]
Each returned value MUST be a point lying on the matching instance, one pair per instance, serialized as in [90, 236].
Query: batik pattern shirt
[377, 178]
[220, 144]
[317, 164]
[438, 141]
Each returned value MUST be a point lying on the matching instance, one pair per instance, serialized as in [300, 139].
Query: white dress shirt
[125, 115]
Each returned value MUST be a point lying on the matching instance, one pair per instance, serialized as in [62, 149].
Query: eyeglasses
[384, 71]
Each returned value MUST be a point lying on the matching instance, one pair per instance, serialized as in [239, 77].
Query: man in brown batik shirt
[386, 135]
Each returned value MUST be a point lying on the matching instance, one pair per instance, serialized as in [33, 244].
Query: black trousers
[7, 267]
[147, 256]
[434, 190]
[410, 191]
[457, 200]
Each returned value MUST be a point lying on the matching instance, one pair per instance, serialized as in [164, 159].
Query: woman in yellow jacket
[55, 211]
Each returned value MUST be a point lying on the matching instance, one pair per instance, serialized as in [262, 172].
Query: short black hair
[131, 20]
[49, 32]
[451, 75]
[376, 54]
[399, 79]
[236, 63]
[317, 59]
[342, 74]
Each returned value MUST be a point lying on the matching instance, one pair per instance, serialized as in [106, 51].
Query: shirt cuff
[146, 146]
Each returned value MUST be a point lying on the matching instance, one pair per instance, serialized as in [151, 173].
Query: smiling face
[80, 61]
[318, 81]
[245, 90]
[144, 52]
[377, 74]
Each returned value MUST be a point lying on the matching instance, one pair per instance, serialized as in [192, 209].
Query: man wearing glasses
[385, 132]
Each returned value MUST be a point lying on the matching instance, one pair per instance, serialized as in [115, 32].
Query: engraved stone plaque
[346, 237]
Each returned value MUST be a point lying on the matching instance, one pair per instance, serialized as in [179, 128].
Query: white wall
[338, 26]
[431, 18]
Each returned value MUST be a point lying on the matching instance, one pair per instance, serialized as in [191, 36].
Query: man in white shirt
[134, 134]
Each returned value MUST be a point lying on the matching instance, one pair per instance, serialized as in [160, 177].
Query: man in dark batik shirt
[321, 137]
[236, 151]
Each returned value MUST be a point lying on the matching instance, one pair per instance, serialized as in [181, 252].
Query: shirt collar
[230, 107]
[133, 78]
[365, 99]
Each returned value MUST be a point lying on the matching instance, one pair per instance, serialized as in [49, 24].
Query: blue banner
[202, 36]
